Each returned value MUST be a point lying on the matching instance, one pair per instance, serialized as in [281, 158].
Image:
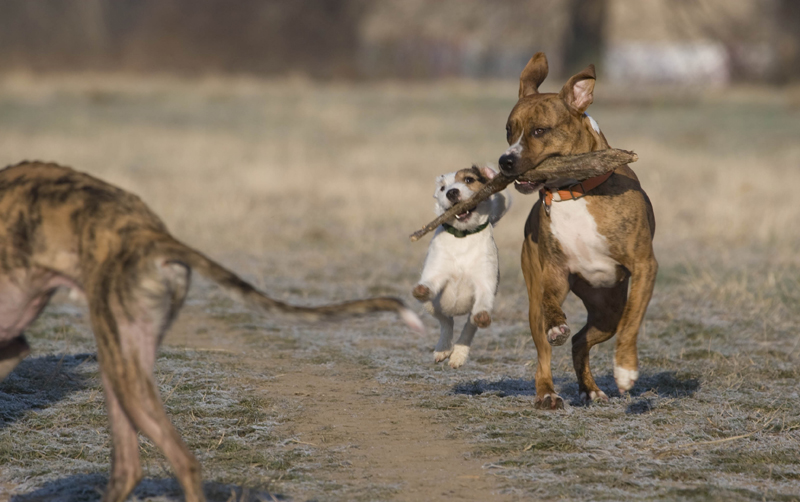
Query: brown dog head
[543, 125]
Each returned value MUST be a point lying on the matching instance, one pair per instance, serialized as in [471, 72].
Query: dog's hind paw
[459, 356]
[441, 355]
[593, 396]
[557, 335]
[482, 319]
[549, 402]
[421, 292]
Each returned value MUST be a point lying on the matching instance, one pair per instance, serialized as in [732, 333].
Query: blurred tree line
[373, 38]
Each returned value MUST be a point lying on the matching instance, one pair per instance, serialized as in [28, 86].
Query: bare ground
[310, 191]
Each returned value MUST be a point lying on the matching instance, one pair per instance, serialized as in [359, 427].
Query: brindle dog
[595, 245]
[60, 228]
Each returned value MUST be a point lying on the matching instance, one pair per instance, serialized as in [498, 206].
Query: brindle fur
[65, 228]
[623, 214]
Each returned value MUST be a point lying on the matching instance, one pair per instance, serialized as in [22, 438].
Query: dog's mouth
[464, 216]
[527, 187]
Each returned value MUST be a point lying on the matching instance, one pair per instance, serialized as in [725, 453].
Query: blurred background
[700, 41]
[324, 122]
[321, 124]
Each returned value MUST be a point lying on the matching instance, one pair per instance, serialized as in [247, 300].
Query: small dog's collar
[463, 233]
[573, 192]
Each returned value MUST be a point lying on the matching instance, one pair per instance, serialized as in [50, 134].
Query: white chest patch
[585, 248]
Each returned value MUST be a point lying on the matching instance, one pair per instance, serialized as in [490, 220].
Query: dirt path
[392, 447]
[383, 440]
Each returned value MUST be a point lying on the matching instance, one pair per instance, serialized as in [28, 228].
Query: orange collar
[575, 191]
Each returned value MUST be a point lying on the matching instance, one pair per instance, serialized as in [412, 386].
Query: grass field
[310, 191]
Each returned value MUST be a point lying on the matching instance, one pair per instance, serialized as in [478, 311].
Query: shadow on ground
[501, 388]
[39, 382]
[89, 488]
[644, 394]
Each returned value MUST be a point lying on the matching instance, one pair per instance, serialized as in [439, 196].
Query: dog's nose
[507, 162]
[453, 195]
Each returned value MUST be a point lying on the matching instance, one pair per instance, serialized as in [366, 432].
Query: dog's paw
[441, 355]
[557, 335]
[625, 378]
[482, 319]
[593, 396]
[549, 402]
[459, 356]
[421, 292]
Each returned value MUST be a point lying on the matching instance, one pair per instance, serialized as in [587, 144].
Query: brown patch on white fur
[65, 228]
[472, 177]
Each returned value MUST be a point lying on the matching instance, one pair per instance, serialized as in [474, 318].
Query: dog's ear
[488, 172]
[533, 75]
[578, 92]
[439, 184]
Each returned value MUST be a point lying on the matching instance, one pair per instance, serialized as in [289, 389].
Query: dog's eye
[508, 133]
[441, 189]
[539, 132]
[469, 180]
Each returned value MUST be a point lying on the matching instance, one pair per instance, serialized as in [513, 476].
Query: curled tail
[174, 251]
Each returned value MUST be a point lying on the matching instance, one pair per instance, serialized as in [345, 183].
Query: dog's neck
[450, 229]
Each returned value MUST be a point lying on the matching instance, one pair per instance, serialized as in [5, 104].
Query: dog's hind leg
[128, 333]
[461, 349]
[445, 345]
[604, 307]
[126, 470]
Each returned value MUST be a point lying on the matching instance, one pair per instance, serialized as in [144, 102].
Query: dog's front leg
[445, 345]
[484, 301]
[429, 286]
[626, 359]
[546, 397]
[11, 353]
[556, 287]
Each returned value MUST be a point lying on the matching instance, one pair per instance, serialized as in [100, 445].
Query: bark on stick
[578, 167]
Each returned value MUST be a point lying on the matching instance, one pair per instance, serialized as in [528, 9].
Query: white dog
[461, 270]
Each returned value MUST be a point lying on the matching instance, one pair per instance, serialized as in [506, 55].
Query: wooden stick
[578, 167]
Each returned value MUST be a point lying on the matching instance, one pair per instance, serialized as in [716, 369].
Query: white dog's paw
[459, 356]
[422, 292]
[482, 319]
[557, 335]
[625, 378]
[441, 355]
[595, 395]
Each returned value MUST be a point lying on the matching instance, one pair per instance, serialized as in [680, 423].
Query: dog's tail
[173, 251]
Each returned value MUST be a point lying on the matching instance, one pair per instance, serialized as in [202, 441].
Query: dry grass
[310, 191]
